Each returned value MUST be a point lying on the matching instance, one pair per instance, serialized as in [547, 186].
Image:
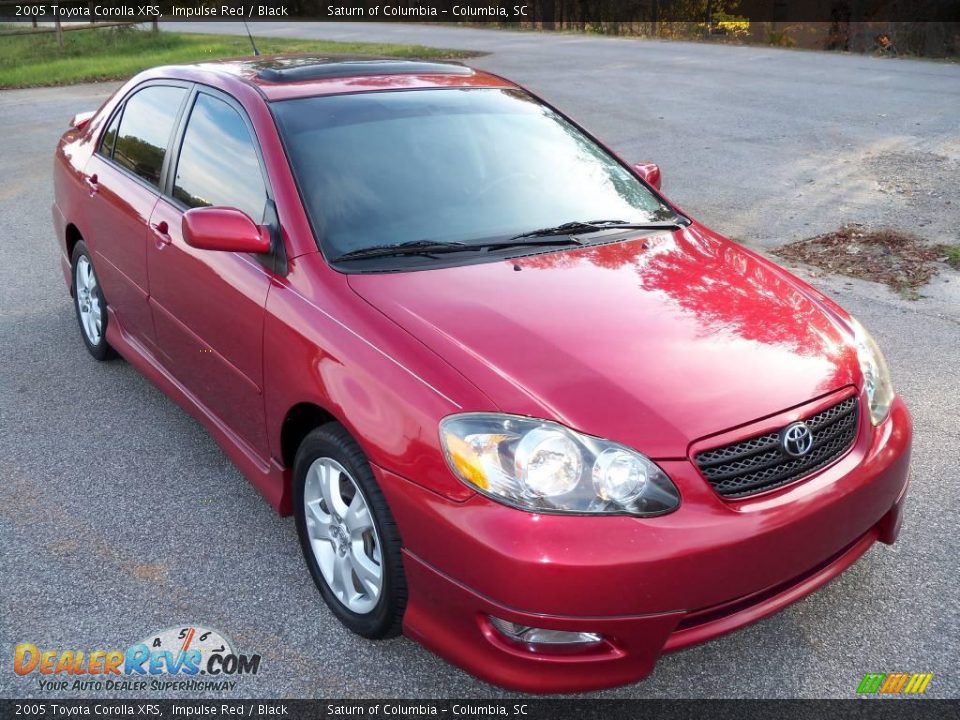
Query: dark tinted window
[458, 165]
[110, 136]
[218, 163]
[145, 128]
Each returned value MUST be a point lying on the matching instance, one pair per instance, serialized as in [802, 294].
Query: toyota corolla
[523, 408]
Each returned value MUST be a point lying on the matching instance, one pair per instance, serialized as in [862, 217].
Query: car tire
[89, 304]
[340, 551]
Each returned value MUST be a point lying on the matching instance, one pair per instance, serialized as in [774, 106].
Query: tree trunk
[548, 15]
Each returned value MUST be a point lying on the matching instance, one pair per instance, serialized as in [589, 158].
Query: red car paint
[668, 344]
[222, 229]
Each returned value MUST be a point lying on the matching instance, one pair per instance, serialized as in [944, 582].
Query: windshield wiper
[431, 247]
[589, 226]
[559, 235]
[412, 247]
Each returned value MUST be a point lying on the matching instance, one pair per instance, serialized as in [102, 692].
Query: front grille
[760, 463]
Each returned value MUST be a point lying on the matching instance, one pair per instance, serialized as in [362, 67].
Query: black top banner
[521, 709]
[544, 13]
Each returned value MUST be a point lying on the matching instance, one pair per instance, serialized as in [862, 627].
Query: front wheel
[90, 305]
[348, 536]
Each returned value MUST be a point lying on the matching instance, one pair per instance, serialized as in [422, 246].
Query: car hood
[654, 342]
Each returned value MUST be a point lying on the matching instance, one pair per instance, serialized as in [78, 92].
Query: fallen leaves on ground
[900, 260]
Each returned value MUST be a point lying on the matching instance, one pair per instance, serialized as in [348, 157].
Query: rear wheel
[348, 536]
[90, 305]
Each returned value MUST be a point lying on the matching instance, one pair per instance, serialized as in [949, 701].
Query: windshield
[449, 165]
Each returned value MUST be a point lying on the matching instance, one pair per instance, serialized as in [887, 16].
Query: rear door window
[148, 118]
[110, 136]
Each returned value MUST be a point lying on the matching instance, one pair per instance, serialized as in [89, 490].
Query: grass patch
[952, 254]
[116, 53]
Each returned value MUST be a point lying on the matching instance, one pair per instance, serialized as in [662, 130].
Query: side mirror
[221, 228]
[649, 172]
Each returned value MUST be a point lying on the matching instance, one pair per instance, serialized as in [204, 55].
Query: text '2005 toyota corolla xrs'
[522, 407]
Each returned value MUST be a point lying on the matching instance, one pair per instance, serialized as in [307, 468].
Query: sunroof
[354, 68]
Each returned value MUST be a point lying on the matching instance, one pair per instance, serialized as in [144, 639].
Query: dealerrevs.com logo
[190, 658]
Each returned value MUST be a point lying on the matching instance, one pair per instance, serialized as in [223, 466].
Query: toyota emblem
[796, 439]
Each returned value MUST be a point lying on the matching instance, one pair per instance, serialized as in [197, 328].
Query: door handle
[93, 184]
[161, 232]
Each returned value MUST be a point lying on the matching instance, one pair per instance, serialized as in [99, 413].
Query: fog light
[542, 636]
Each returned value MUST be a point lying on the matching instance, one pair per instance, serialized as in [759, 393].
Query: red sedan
[522, 407]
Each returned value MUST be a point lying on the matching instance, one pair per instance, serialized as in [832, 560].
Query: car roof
[281, 77]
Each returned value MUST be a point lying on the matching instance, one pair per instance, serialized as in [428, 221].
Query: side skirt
[269, 477]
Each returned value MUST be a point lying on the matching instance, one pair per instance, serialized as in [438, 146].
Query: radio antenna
[256, 52]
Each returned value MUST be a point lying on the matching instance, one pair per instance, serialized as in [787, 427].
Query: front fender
[325, 345]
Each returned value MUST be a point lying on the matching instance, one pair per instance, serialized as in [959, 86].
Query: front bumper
[647, 585]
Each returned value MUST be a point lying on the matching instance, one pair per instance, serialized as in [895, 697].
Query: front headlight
[543, 466]
[876, 374]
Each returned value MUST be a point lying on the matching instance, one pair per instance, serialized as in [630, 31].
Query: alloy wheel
[88, 301]
[343, 536]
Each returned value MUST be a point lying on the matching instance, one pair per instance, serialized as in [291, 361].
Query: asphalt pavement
[120, 516]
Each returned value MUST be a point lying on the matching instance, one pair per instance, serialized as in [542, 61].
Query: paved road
[119, 515]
